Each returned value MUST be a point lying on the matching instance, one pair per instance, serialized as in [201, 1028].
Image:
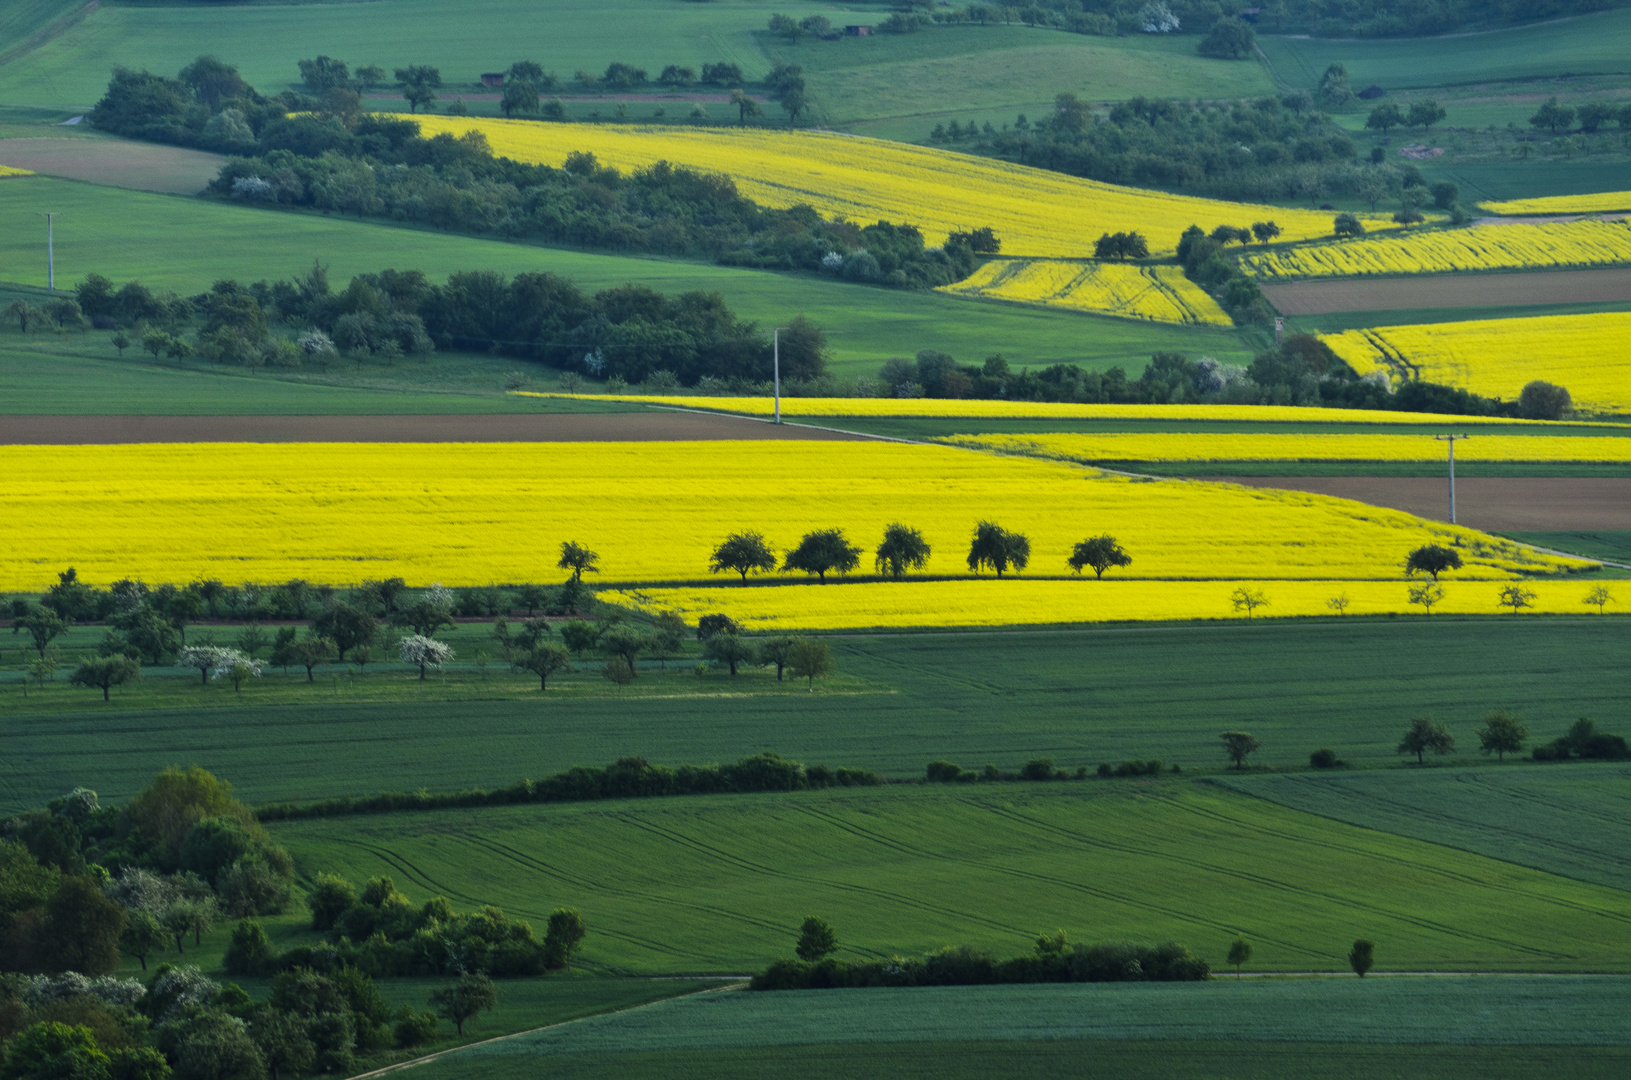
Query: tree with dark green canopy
[821, 551]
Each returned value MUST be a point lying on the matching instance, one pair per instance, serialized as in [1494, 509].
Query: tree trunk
[203, 676]
[421, 671]
[543, 682]
[105, 687]
[179, 949]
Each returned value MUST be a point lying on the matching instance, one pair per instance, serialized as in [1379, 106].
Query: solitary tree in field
[810, 660]
[1423, 735]
[1099, 552]
[42, 624]
[1239, 745]
[545, 660]
[1599, 597]
[472, 994]
[1385, 116]
[105, 672]
[578, 559]
[1516, 597]
[728, 649]
[424, 651]
[1248, 600]
[997, 548]
[563, 937]
[419, 85]
[309, 653]
[1501, 734]
[816, 940]
[1362, 956]
[1339, 603]
[1239, 953]
[902, 549]
[743, 552]
[823, 550]
[1426, 594]
[1424, 114]
[1432, 559]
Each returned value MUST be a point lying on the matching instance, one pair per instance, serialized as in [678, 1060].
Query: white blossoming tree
[213, 661]
[425, 651]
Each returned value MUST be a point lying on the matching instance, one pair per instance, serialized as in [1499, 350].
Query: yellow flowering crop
[811, 408]
[1034, 211]
[1028, 601]
[1588, 354]
[474, 513]
[1488, 247]
[10, 170]
[1211, 446]
[1563, 204]
[1161, 293]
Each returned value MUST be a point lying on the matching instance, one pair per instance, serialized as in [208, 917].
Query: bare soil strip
[1452, 290]
[504, 427]
[1540, 504]
[122, 163]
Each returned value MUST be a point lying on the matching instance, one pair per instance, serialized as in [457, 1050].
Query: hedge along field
[1583, 45]
[1489, 247]
[903, 605]
[188, 244]
[265, 41]
[1581, 829]
[1159, 293]
[1237, 446]
[720, 883]
[471, 514]
[1034, 212]
[1497, 357]
[1078, 696]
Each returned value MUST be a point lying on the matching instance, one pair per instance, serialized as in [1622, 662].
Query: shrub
[943, 772]
[1038, 769]
[415, 1029]
[1324, 759]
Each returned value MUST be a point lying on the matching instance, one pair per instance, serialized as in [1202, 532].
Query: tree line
[329, 154]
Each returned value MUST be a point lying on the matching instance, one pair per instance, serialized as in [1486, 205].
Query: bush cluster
[627, 778]
[1055, 960]
[1585, 743]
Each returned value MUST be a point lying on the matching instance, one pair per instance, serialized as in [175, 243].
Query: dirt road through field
[1495, 503]
[643, 426]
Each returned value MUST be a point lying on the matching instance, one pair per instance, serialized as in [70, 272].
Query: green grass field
[1079, 696]
[1585, 45]
[900, 86]
[720, 883]
[1071, 1059]
[186, 244]
[1565, 819]
[1604, 544]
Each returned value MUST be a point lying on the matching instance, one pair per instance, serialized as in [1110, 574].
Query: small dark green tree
[564, 937]
[809, 659]
[1229, 39]
[1239, 745]
[821, 551]
[1432, 559]
[816, 940]
[419, 85]
[776, 650]
[283, 1042]
[1346, 224]
[997, 548]
[1424, 114]
[1516, 597]
[1552, 116]
[1362, 956]
[519, 97]
[472, 994]
[142, 934]
[1240, 952]
[743, 552]
[1099, 552]
[728, 649]
[308, 654]
[105, 672]
[545, 660]
[902, 549]
[42, 624]
[1423, 735]
[1385, 116]
[1502, 733]
[578, 559]
[580, 636]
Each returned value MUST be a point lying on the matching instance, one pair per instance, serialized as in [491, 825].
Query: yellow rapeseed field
[9, 170]
[1159, 293]
[1034, 211]
[1487, 247]
[1212, 446]
[1588, 354]
[1024, 601]
[1601, 203]
[811, 408]
[475, 513]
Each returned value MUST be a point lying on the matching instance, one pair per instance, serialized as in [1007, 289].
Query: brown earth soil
[1538, 504]
[117, 162]
[717, 99]
[1452, 290]
[506, 427]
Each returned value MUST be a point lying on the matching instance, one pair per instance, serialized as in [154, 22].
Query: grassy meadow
[1078, 696]
[719, 883]
[186, 244]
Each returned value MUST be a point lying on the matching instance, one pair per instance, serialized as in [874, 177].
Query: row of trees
[902, 549]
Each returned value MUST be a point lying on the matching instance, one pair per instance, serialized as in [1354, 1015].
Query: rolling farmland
[1158, 293]
[1489, 247]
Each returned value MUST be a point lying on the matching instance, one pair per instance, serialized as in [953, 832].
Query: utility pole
[776, 355]
[1451, 440]
[50, 253]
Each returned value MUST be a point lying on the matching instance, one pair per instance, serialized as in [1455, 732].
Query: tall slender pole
[776, 354]
[50, 250]
[1451, 440]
